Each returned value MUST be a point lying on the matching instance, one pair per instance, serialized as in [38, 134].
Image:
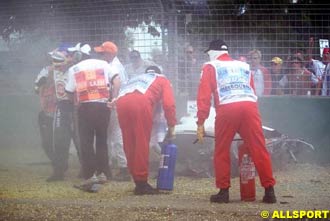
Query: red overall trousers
[135, 120]
[243, 118]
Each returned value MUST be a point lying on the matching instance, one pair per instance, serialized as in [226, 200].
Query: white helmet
[58, 58]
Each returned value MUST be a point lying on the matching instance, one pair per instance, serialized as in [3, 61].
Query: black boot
[269, 196]
[144, 188]
[221, 197]
[123, 175]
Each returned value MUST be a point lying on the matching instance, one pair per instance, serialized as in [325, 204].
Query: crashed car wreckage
[196, 159]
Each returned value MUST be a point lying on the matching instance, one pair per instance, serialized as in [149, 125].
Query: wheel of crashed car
[300, 151]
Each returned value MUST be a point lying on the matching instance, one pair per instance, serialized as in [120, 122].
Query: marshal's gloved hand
[200, 133]
[170, 133]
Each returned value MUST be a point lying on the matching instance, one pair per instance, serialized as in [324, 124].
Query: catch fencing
[175, 33]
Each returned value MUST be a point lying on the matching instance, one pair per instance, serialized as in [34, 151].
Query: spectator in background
[261, 75]
[279, 80]
[136, 64]
[326, 76]
[317, 68]
[314, 66]
[189, 73]
[300, 79]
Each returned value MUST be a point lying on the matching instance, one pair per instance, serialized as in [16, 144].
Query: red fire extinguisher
[247, 174]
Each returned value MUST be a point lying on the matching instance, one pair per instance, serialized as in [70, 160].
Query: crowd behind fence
[174, 34]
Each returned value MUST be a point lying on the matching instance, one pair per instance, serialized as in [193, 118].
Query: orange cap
[108, 47]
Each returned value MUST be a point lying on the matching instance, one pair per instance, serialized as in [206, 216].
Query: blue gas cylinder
[165, 179]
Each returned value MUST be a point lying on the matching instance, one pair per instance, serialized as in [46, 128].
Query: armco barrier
[307, 118]
[18, 121]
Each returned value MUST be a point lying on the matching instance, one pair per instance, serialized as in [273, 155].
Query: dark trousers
[46, 133]
[63, 133]
[93, 121]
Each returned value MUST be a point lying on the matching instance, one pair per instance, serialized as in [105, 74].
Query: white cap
[86, 49]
